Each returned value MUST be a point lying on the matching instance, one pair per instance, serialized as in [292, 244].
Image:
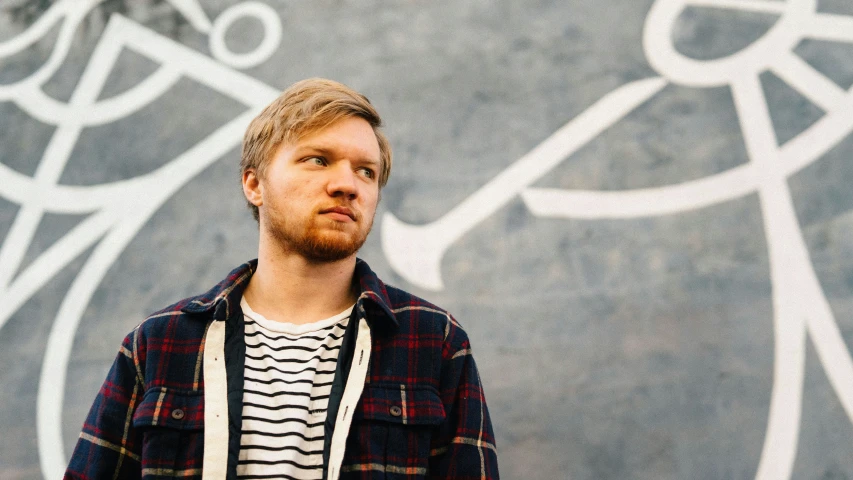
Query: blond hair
[305, 107]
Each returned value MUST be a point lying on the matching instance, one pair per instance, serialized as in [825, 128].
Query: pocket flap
[406, 404]
[161, 407]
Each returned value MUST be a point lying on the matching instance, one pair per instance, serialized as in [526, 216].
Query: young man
[301, 364]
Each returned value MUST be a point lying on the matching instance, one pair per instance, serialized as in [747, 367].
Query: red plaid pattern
[422, 412]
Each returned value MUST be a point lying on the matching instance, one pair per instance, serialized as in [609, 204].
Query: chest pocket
[393, 427]
[171, 425]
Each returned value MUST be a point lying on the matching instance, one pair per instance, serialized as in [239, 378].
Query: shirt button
[396, 411]
[177, 414]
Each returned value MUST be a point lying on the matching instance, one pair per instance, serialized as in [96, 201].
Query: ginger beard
[316, 238]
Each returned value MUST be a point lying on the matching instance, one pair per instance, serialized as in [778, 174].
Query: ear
[252, 188]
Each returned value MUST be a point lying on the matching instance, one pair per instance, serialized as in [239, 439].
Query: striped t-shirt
[287, 380]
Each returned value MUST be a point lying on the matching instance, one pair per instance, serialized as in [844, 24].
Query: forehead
[349, 135]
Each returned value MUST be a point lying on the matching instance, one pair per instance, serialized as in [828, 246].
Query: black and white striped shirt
[288, 377]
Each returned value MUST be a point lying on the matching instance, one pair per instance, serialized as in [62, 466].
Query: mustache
[343, 209]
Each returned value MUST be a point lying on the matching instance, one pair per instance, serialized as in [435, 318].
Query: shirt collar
[223, 300]
[376, 303]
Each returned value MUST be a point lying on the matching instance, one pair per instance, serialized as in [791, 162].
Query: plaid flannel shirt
[422, 412]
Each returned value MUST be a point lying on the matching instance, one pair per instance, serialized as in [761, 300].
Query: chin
[320, 241]
[330, 248]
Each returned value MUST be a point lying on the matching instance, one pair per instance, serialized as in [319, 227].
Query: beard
[317, 239]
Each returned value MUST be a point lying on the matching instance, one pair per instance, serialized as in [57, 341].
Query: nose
[342, 181]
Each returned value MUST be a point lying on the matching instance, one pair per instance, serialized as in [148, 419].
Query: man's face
[319, 193]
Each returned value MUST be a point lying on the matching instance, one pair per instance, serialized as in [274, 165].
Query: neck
[287, 287]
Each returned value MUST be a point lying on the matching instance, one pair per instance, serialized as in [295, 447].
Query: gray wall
[639, 210]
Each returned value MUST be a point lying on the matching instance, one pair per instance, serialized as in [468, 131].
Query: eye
[319, 161]
[367, 173]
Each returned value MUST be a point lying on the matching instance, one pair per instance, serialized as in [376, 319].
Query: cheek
[370, 206]
[280, 192]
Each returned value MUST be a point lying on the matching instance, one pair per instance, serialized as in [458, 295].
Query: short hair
[305, 107]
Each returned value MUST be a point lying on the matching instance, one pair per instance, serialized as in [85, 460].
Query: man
[301, 364]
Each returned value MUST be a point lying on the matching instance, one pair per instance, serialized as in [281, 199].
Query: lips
[340, 211]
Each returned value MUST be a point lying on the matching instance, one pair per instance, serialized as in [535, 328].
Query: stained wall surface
[641, 211]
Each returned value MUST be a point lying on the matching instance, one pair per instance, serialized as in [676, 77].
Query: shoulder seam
[450, 320]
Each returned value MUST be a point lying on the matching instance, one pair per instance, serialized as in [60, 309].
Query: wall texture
[640, 210]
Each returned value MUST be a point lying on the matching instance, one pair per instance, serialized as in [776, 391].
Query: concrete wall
[640, 210]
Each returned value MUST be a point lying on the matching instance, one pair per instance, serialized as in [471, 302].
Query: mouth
[339, 213]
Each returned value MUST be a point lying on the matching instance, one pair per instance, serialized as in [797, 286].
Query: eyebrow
[326, 151]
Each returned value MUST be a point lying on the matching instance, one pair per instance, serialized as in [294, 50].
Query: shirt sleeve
[109, 446]
[464, 447]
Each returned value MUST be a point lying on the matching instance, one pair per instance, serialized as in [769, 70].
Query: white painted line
[759, 135]
[194, 65]
[54, 259]
[60, 340]
[415, 251]
[788, 266]
[830, 27]
[269, 44]
[821, 137]
[760, 6]
[830, 346]
[74, 12]
[194, 13]
[644, 202]
[48, 110]
[40, 27]
[810, 83]
[664, 19]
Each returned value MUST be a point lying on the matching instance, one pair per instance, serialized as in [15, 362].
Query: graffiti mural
[799, 303]
[117, 210]
[115, 213]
